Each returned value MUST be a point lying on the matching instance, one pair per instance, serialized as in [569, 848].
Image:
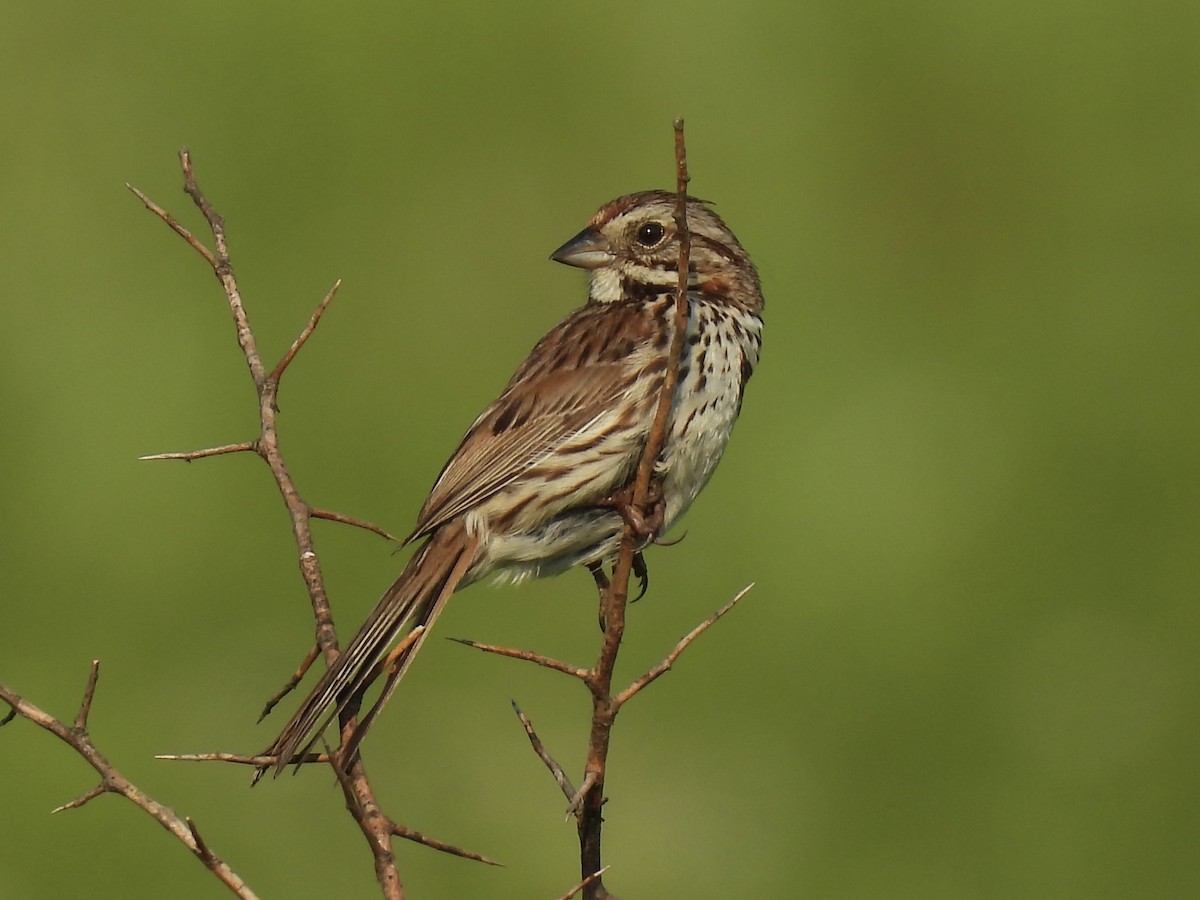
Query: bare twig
[239, 758]
[539, 748]
[174, 226]
[547, 662]
[290, 684]
[83, 798]
[583, 884]
[89, 693]
[331, 516]
[360, 798]
[411, 834]
[202, 847]
[576, 805]
[189, 455]
[299, 342]
[669, 660]
[113, 782]
[395, 828]
[376, 828]
[590, 801]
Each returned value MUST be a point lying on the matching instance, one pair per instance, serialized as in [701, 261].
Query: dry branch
[590, 801]
[665, 664]
[361, 801]
[113, 782]
[546, 662]
[539, 748]
[583, 884]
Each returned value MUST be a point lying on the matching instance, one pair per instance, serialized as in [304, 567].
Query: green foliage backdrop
[965, 479]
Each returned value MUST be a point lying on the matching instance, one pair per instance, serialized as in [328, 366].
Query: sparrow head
[631, 248]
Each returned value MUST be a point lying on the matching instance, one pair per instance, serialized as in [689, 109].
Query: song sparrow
[525, 493]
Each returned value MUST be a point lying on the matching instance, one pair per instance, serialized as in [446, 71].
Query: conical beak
[587, 250]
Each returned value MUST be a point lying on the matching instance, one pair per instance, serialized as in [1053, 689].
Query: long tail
[415, 599]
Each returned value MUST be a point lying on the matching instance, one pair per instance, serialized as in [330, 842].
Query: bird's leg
[603, 582]
[602, 586]
[645, 527]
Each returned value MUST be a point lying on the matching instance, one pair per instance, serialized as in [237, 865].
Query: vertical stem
[599, 680]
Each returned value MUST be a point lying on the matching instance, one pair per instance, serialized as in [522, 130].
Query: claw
[602, 583]
[642, 573]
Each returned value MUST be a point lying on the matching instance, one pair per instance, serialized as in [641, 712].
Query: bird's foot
[646, 521]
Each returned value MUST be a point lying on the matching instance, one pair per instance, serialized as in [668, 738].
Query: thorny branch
[595, 876]
[113, 782]
[612, 604]
[360, 797]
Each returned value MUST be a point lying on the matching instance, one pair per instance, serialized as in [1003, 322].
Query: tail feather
[415, 599]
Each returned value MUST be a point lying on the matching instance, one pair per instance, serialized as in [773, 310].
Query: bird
[529, 491]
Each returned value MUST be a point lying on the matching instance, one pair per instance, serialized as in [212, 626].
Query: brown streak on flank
[551, 475]
[514, 511]
[691, 415]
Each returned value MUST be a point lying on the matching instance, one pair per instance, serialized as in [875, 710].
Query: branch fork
[75, 735]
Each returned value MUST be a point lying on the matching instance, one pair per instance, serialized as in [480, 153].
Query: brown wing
[564, 393]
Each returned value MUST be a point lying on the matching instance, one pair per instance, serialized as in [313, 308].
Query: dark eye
[650, 234]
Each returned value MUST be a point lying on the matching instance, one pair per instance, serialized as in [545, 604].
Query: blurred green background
[964, 480]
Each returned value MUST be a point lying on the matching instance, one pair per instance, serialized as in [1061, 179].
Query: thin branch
[113, 782]
[174, 226]
[590, 799]
[547, 662]
[83, 798]
[299, 342]
[539, 748]
[331, 516]
[665, 665]
[393, 827]
[666, 395]
[376, 828]
[411, 834]
[239, 758]
[590, 780]
[290, 684]
[89, 693]
[201, 846]
[189, 455]
[361, 799]
[223, 268]
[579, 887]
